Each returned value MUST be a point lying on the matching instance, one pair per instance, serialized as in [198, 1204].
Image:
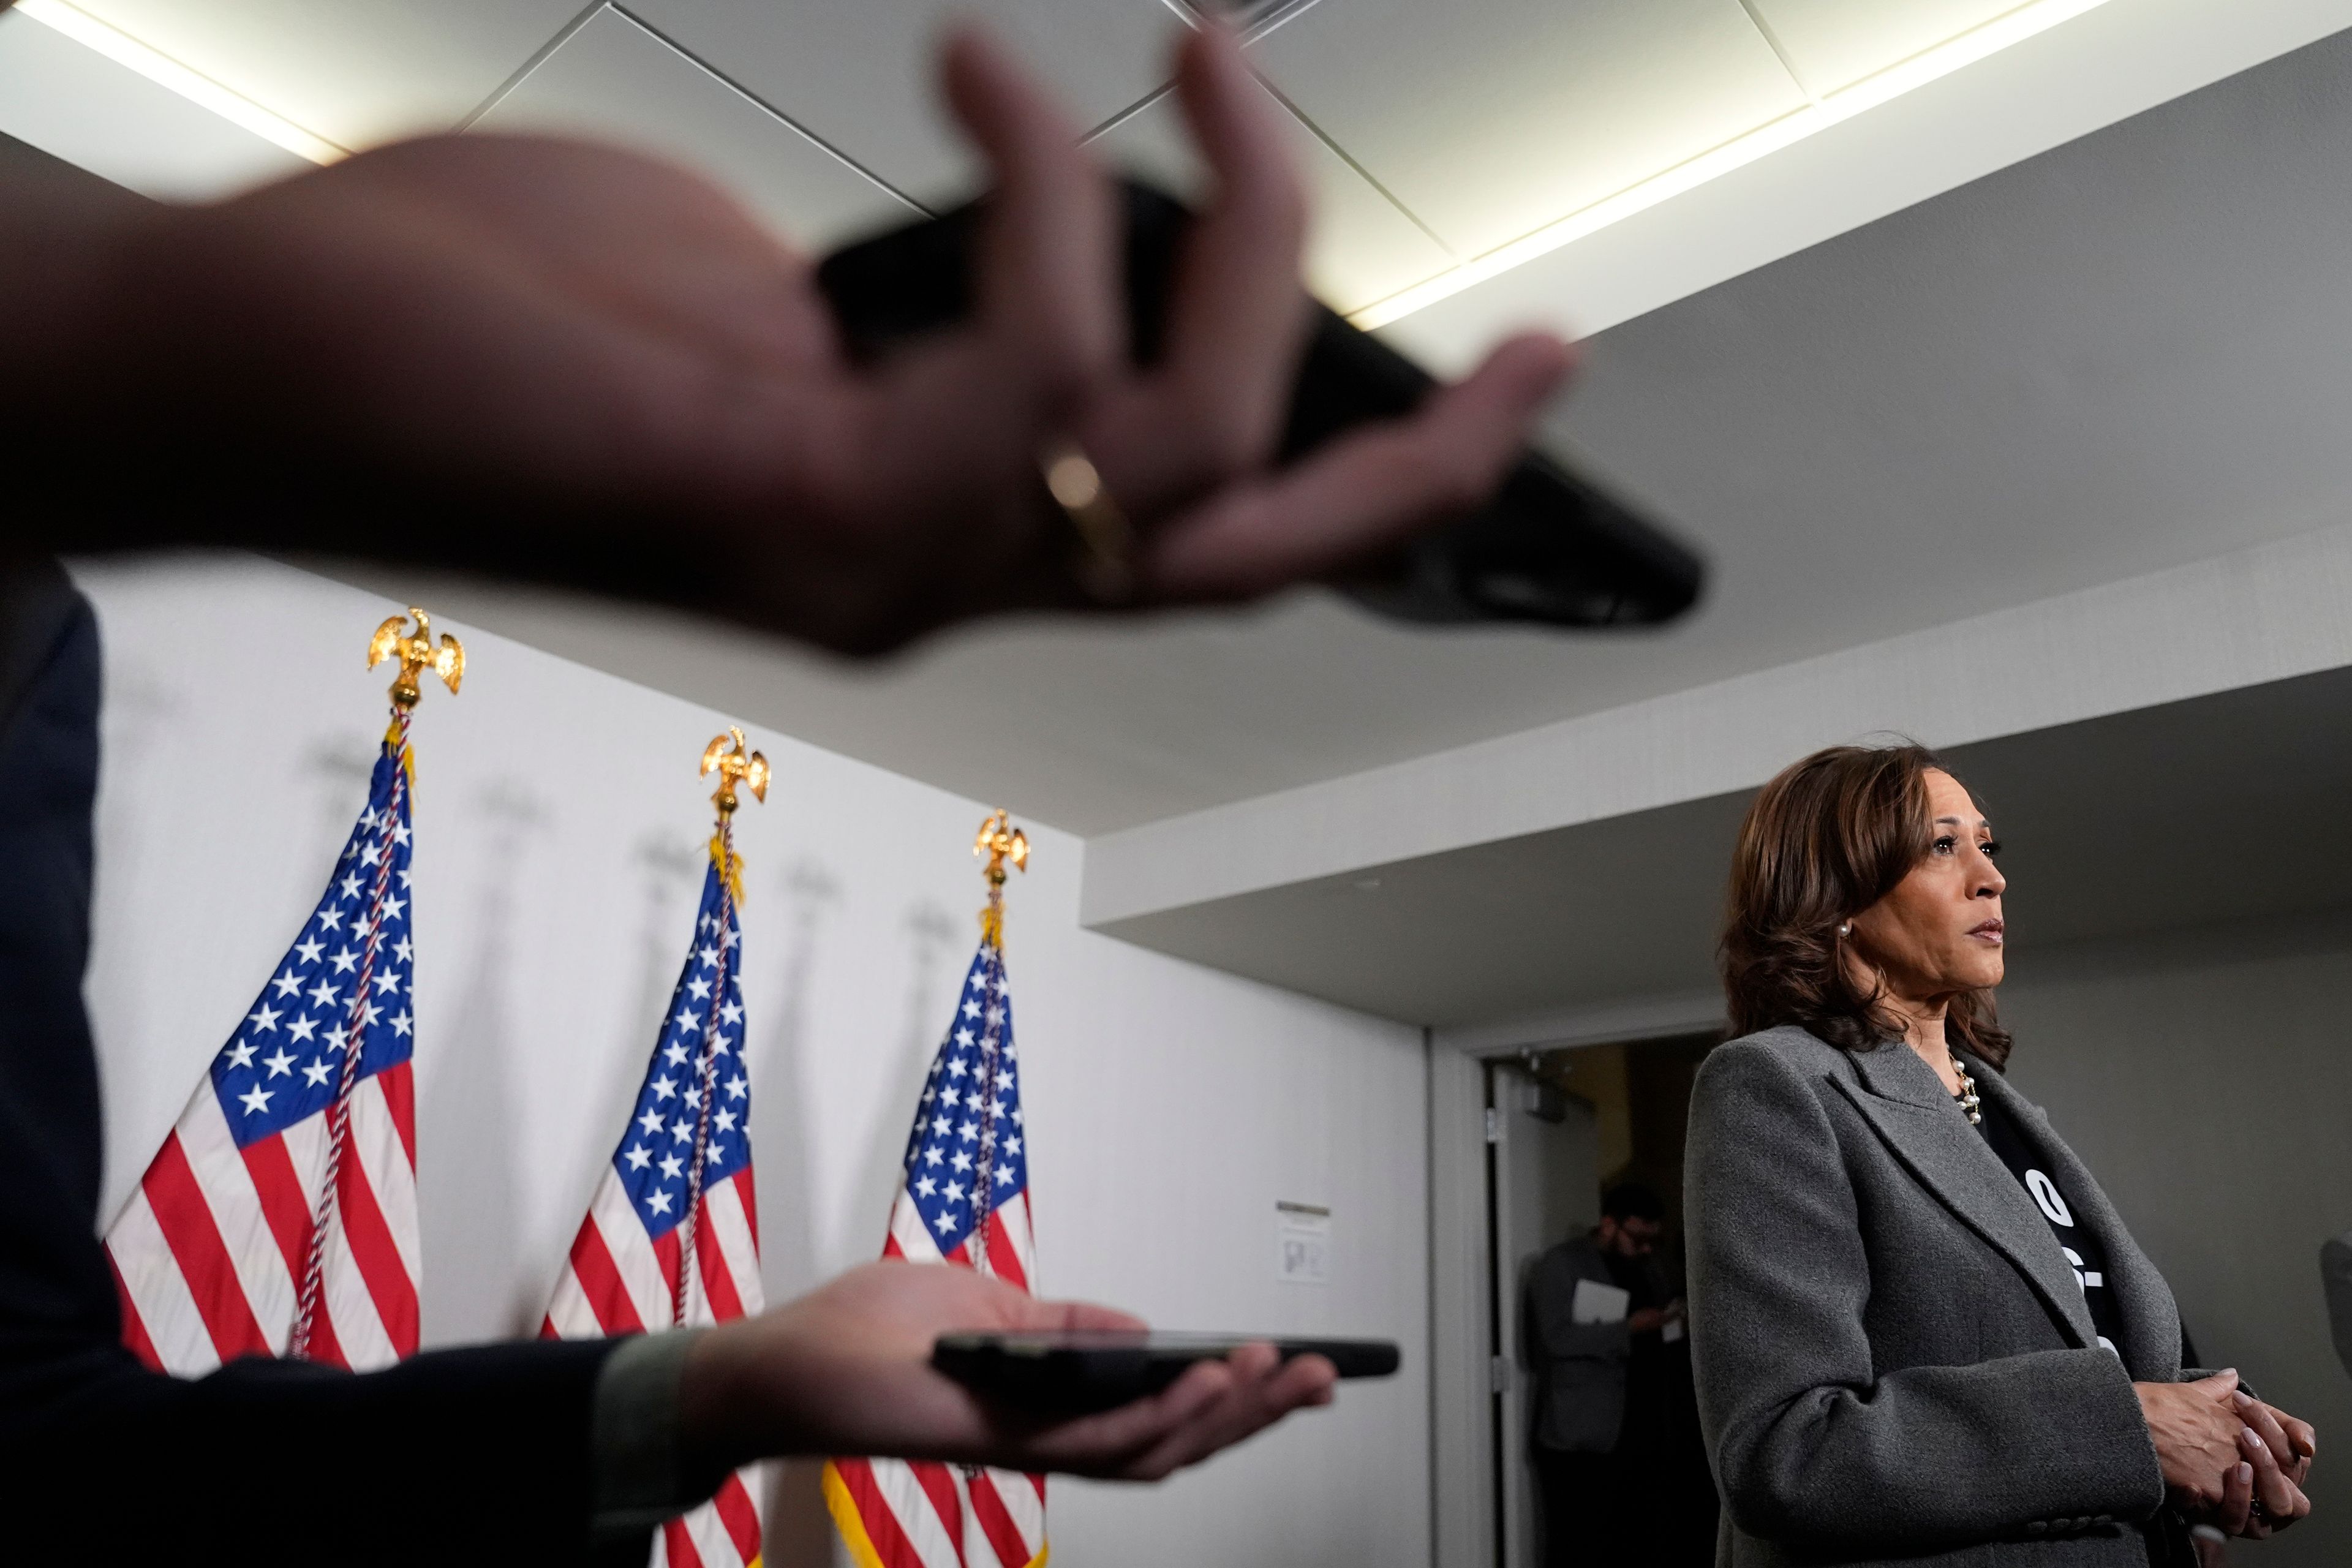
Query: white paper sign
[1597, 1303]
[1302, 1244]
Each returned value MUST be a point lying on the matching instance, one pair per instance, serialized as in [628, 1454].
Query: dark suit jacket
[1894, 1361]
[1579, 1367]
[477, 1454]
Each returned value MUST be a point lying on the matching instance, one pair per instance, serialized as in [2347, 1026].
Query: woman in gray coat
[1921, 1331]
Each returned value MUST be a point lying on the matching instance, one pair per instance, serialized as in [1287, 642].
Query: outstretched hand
[846, 1370]
[561, 361]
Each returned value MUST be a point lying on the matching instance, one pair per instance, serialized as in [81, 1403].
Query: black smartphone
[1075, 1372]
[1551, 547]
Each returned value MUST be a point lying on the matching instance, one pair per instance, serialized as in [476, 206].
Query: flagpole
[1002, 844]
[417, 654]
[732, 759]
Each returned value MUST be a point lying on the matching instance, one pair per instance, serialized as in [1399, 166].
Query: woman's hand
[846, 1370]
[565, 362]
[2216, 1460]
[2292, 1442]
[2195, 1428]
[2265, 1493]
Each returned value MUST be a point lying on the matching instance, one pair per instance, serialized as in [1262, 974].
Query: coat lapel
[1906, 1104]
[2151, 1321]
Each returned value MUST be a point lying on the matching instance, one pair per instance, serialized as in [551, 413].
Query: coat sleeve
[480, 1454]
[1551, 1300]
[1813, 1446]
[469, 1455]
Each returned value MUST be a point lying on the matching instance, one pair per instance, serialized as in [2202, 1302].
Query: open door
[1543, 1186]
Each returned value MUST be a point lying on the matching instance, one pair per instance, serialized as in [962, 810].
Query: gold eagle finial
[735, 762]
[1001, 842]
[417, 654]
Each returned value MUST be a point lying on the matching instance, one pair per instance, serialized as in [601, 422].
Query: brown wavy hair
[1823, 842]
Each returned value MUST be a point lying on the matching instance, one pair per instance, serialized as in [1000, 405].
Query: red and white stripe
[620, 1281]
[209, 1249]
[895, 1513]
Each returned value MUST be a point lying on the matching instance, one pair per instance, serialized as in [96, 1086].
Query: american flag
[227, 1247]
[673, 1236]
[963, 1200]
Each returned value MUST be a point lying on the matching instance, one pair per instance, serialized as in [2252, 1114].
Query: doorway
[1563, 1126]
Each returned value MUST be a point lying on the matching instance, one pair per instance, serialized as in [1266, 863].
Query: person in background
[1598, 1319]
[1922, 1332]
[571, 365]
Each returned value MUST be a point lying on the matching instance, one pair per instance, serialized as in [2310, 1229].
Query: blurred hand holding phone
[1550, 547]
[1074, 1372]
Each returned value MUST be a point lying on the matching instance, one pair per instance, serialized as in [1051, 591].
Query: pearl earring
[1845, 928]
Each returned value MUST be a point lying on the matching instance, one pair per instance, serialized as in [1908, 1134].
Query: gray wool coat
[1894, 1362]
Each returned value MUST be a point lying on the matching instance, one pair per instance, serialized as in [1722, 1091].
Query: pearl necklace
[1967, 1098]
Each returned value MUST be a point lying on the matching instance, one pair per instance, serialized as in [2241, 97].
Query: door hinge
[1499, 1374]
[1494, 1124]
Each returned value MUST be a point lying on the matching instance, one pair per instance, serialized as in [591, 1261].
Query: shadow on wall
[142, 706]
[669, 872]
[798, 1528]
[811, 893]
[934, 974]
[470, 1192]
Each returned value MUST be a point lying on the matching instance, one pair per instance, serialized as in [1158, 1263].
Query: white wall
[2207, 1079]
[560, 826]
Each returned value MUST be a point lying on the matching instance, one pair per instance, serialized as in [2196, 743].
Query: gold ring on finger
[1105, 566]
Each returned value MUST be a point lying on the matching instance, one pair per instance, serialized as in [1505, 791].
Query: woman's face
[1939, 932]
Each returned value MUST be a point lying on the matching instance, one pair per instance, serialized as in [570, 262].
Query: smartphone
[1550, 547]
[1075, 1372]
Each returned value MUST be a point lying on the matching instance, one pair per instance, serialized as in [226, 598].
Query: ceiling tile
[1831, 44]
[613, 79]
[860, 74]
[1490, 118]
[354, 71]
[74, 103]
[1363, 247]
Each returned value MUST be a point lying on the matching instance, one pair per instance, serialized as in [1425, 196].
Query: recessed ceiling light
[125, 50]
[1793, 127]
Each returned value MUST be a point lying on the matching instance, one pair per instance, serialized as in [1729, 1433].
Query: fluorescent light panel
[125, 50]
[1975, 45]
[1990, 38]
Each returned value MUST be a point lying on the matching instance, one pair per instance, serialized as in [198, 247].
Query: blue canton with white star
[969, 1118]
[659, 1148]
[285, 1059]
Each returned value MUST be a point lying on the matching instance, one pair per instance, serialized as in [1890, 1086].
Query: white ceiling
[2194, 815]
[1486, 121]
[1436, 133]
[615, 79]
[145, 136]
[1833, 44]
[353, 71]
[2117, 356]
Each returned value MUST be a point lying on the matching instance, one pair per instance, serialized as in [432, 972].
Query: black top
[2083, 1251]
[1648, 1429]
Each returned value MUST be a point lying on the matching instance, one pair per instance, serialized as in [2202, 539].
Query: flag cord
[991, 1034]
[707, 1078]
[339, 1114]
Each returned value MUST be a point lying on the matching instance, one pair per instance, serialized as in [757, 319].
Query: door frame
[1464, 1522]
